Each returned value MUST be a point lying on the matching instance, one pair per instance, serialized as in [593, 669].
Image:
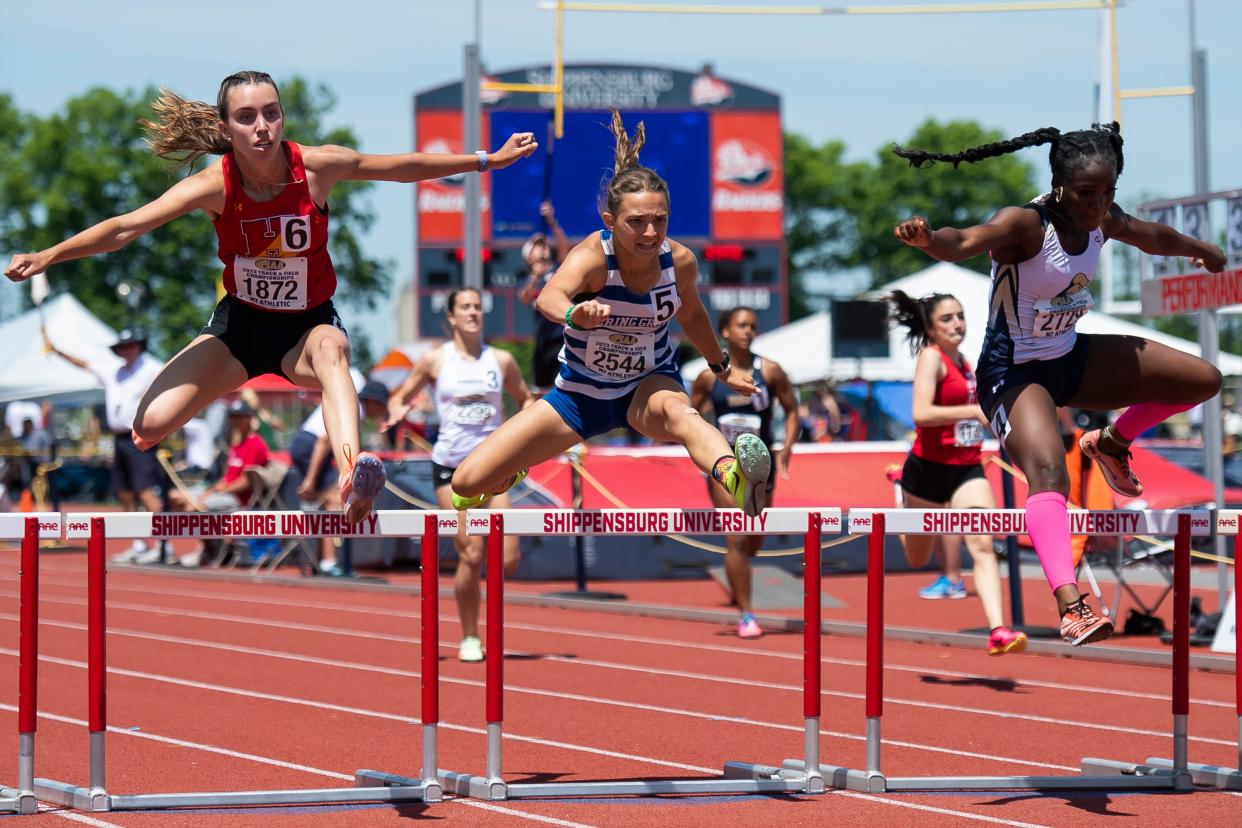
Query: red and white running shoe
[1080, 625]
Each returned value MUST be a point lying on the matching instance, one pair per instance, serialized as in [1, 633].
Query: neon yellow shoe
[747, 478]
[463, 503]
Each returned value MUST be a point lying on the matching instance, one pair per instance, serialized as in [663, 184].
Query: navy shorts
[441, 475]
[1061, 377]
[301, 447]
[589, 416]
[134, 470]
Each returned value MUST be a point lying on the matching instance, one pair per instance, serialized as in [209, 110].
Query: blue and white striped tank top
[609, 361]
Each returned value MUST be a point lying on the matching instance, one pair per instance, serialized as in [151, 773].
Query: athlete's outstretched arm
[345, 164]
[1161, 240]
[698, 327]
[203, 190]
[1010, 226]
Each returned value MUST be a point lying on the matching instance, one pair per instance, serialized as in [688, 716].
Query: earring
[1058, 193]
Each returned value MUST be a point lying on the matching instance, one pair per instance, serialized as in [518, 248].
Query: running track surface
[223, 686]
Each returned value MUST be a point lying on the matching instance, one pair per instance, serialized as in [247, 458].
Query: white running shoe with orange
[361, 485]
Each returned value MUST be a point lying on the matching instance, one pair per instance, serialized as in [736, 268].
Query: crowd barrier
[1096, 775]
[370, 786]
[737, 777]
[806, 775]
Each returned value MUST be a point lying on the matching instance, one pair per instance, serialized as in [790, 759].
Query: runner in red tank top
[268, 202]
[943, 468]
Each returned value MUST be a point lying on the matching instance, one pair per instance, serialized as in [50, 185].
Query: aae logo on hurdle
[13, 525]
[1013, 522]
[395, 523]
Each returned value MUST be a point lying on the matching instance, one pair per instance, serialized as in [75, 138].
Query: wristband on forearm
[569, 318]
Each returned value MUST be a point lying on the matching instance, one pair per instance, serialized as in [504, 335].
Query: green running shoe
[461, 504]
[747, 479]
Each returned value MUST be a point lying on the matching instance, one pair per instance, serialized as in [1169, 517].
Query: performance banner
[1013, 522]
[1191, 292]
[441, 203]
[748, 199]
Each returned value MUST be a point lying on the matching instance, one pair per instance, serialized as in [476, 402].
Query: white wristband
[482, 156]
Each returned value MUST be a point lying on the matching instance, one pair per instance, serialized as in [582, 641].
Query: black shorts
[260, 339]
[1060, 376]
[936, 481]
[441, 475]
[301, 447]
[133, 470]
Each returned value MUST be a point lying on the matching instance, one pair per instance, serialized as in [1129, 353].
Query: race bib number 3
[967, 433]
[620, 356]
[272, 283]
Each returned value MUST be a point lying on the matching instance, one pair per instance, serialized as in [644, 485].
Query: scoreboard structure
[716, 141]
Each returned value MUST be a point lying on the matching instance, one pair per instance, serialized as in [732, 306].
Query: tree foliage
[87, 162]
[841, 215]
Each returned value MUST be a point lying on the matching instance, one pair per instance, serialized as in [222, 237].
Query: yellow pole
[558, 78]
[1158, 92]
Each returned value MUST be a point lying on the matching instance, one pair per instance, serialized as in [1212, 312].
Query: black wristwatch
[721, 367]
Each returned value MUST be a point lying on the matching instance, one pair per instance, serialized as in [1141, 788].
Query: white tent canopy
[803, 347]
[28, 373]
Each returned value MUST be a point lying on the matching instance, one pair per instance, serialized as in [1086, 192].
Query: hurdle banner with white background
[1013, 522]
[654, 521]
[13, 525]
[1227, 521]
[394, 523]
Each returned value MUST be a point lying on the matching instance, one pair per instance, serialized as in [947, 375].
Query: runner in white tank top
[467, 377]
[1044, 257]
[616, 293]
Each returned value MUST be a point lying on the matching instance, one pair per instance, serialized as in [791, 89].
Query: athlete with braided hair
[1044, 256]
[615, 294]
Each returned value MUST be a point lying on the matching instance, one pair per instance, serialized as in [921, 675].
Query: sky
[865, 80]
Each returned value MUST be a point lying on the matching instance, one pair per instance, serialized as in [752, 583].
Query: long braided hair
[1070, 151]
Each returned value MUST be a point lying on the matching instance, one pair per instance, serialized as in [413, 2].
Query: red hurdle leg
[812, 575]
[28, 656]
[495, 649]
[875, 640]
[430, 561]
[97, 659]
[1181, 644]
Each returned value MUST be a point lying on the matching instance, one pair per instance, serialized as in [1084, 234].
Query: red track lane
[583, 697]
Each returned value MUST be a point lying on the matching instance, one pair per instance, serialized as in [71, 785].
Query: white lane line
[74, 816]
[251, 757]
[606, 665]
[555, 694]
[933, 809]
[664, 642]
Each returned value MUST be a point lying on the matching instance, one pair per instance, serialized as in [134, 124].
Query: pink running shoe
[1116, 467]
[1004, 640]
[748, 627]
[1080, 625]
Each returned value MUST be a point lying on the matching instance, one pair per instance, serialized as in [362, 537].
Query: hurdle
[1212, 775]
[737, 777]
[29, 528]
[877, 523]
[369, 785]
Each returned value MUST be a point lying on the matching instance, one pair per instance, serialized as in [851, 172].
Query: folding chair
[266, 485]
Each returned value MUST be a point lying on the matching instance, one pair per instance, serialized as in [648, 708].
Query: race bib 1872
[272, 283]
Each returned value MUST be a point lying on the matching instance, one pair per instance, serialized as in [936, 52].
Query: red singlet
[959, 443]
[275, 252]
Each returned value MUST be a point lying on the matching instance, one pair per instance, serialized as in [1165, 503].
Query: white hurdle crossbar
[29, 528]
[737, 777]
[1227, 521]
[1098, 774]
[369, 786]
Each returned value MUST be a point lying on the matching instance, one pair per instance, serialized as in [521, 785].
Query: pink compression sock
[1138, 418]
[1047, 522]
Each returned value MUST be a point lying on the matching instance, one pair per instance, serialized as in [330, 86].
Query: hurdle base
[1215, 776]
[99, 801]
[849, 779]
[738, 778]
[1135, 772]
[94, 800]
[431, 789]
[17, 801]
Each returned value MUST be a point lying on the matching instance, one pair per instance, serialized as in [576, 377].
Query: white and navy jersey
[468, 400]
[607, 362]
[738, 414]
[1035, 305]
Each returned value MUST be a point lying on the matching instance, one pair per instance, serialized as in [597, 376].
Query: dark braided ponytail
[915, 315]
[1070, 151]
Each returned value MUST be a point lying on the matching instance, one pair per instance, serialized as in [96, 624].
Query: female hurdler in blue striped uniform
[616, 293]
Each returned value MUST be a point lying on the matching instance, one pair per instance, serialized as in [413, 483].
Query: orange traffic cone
[26, 502]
